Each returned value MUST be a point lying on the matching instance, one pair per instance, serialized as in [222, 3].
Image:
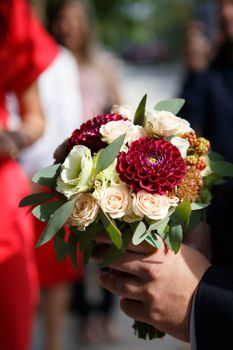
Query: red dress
[25, 51]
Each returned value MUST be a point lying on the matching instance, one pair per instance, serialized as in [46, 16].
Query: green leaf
[113, 253]
[139, 117]
[195, 218]
[199, 206]
[174, 105]
[60, 246]
[48, 176]
[43, 212]
[212, 179]
[182, 213]
[36, 198]
[72, 250]
[87, 252]
[108, 154]
[57, 220]
[111, 229]
[174, 238]
[140, 233]
[88, 235]
[214, 156]
[222, 168]
[153, 240]
[159, 226]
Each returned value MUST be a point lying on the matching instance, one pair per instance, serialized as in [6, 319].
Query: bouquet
[138, 176]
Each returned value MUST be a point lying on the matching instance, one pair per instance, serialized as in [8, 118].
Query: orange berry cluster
[199, 146]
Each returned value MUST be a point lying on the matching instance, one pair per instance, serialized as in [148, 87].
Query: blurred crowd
[51, 81]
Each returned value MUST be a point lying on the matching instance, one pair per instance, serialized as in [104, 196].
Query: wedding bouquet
[137, 176]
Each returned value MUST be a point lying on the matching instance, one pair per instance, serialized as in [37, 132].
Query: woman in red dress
[25, 51]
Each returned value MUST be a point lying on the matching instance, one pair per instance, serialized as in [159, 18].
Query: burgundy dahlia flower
[88, 133]
[155, 166]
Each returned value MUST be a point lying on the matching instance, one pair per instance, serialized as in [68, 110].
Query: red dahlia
[88, 133]
[155, 166]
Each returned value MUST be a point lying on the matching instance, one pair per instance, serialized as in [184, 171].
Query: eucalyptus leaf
[153, 240]
[88, 235]
[195, 218]
[199, 206]
[212, 179]
[182, 213]
[87, 252]
[159, 226]
[111, 229]
[214, 156]
[114, 253]
[108, 154]
[43, 212]
[139, 118]
[36, 198]
[48, 176]
[72, 250]
[222, 168]
[57, 220]
[174, 238]
[60, 246]
[173, 105]
[140, 233]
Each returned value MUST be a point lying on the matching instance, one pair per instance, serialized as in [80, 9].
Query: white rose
[115, 200]
[207, 171]
[182, 145]
[126, 111]
[166, 123]
[85, 211]
[153, 206]
[135, 133]
[114, 129]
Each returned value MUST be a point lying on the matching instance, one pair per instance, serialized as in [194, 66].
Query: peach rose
[85, 211]
[135, 133]
[153, 206]
[115, 200]
[125, 110]
[166, 123]
[114, 129]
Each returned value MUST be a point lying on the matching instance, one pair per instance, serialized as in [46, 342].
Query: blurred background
[110, 52]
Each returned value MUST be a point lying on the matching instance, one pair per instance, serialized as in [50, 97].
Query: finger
[134, 309]
[123, 286]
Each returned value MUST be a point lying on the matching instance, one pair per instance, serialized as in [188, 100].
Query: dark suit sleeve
[214, 310]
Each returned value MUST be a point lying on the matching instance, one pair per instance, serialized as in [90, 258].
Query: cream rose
[85, 211]
[166, 123]
[114, 129]
[135, 133]
[153, 206]
[173, 201]
[125, 110]
[115, 200]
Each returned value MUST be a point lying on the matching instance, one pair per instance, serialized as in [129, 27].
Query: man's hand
[155, 287]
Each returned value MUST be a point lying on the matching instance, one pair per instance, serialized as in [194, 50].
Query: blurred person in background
[62, 108]
[25, 52]
[72, 26]
[208, 91]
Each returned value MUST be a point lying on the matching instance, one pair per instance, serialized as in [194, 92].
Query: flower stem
[146, 331]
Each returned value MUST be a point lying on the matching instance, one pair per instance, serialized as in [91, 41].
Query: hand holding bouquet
[142, 176]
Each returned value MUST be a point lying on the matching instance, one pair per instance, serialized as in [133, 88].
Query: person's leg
[16, 304]
[54, 309]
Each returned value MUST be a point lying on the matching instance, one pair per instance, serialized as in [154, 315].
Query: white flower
[76, 172]
[135, 133]
[107, 176]
[115, 200]
[153, 206]
[182, 145]
[165, 123]
[125, 110]
[114, 129]
[85, 211]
